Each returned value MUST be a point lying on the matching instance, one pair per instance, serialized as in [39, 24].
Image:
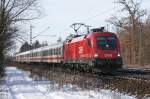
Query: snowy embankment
[19, 85]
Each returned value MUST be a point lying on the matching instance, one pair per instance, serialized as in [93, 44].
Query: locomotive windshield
[106, 42]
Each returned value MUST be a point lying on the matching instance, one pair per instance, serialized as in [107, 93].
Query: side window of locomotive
[89, 43]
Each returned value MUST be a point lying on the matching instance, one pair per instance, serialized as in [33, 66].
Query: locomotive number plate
[108, 55]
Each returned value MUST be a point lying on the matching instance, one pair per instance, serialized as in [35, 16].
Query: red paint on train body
[100, 49]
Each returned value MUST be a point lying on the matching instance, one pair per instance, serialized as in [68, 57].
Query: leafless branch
[11, 12]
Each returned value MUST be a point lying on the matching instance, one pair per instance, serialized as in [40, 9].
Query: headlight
[118, 55]
[96, 55]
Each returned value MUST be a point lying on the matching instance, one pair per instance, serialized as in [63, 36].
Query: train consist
[97, 50]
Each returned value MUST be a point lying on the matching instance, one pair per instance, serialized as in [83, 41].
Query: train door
[73, 52]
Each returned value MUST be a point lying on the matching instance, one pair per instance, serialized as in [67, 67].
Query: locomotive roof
[78, 38]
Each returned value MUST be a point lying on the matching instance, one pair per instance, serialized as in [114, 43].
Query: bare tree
[133, 11]
[131, 25]
[11, 12]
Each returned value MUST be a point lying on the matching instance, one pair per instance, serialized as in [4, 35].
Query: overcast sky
[60, 14]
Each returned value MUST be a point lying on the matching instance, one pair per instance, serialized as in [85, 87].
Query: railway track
[129, 74]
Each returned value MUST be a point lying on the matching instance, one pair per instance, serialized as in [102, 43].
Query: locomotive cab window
[106, 42]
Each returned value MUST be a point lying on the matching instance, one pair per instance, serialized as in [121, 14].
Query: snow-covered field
[19, 85]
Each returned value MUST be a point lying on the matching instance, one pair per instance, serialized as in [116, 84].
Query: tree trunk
[2, 69]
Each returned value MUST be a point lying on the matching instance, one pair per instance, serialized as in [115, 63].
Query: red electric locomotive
[97, 50]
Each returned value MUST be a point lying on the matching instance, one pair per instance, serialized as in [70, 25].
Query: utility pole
[31, 34]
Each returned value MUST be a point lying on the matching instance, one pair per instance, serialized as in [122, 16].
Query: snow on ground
[18, 85]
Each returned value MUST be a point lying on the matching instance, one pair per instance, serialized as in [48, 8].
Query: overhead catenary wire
[87, 19]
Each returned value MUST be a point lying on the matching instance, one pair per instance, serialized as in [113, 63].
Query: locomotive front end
[107, 55]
